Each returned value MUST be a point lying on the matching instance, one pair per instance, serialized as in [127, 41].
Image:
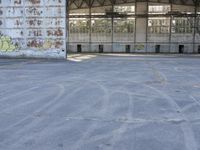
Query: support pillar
[141, 26]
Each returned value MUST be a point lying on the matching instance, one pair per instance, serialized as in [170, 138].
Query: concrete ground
[100, 102]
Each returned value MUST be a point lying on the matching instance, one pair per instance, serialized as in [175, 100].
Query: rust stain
[33, 24]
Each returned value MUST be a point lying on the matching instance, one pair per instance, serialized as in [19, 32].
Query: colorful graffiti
[31, 27]
[55, 44]
[6, 44]
[45, 44]
[139, 47]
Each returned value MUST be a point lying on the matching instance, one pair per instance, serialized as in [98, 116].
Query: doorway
[100, 48]
[128, 48]
[157, 49]
[79, 48]
[181, 49]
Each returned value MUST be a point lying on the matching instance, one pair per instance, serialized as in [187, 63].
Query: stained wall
[33, 28]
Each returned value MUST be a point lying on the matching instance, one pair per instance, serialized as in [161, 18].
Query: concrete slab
[100, 102]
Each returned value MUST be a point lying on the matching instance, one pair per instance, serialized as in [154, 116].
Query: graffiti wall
[33, 28]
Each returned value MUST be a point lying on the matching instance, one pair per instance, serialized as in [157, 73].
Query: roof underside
[81, 4]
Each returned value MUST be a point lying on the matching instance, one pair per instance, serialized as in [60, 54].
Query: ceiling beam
[100, 3]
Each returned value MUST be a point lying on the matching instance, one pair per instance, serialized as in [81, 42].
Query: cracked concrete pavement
[100, 102]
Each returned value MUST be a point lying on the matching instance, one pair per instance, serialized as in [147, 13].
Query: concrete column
[170, 30]
[90, 29]
[67, 28]
[194, 29]
[112, 40]
[141, 26]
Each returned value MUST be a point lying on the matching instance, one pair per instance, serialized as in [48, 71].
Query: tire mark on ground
[78, 144]
[32, 121]
[190, 141]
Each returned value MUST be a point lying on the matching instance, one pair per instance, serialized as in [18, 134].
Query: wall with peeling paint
[33, 28]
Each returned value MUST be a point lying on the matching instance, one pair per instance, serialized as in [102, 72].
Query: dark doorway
[100, 48]
[79, 48]
[128, 48]
[181, 49]
[157, 48]
[199, 49]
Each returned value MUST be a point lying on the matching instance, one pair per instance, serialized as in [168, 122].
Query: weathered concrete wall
[33, 28]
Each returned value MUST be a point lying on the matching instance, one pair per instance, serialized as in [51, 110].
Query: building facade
[52, 28]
